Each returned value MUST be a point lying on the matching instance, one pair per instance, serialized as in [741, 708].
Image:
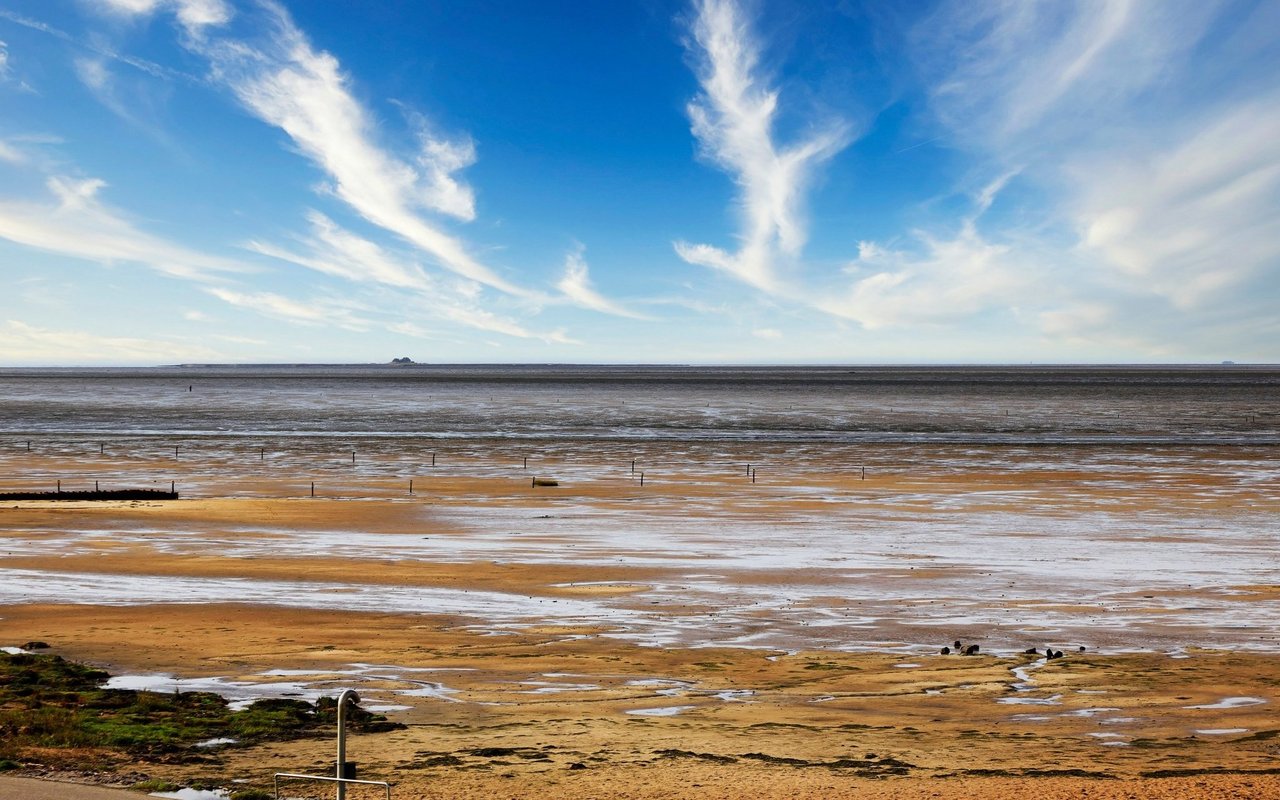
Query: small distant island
[402, 360]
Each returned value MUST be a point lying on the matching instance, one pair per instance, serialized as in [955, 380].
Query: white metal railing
[339, 779]
[328, 779]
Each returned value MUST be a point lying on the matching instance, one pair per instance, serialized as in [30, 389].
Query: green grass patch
[49, 702]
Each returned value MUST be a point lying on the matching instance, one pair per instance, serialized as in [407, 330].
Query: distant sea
[1224, 404]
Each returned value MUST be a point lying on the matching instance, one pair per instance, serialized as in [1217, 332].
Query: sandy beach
[576, 641]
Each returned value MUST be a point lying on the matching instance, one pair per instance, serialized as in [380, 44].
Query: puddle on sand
[664, 711]
[1232, 702]
[1056, 700]
[309, 685]
[1220, 731]
[192, 794]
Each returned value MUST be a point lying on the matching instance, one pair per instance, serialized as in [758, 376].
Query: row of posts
[262, 455]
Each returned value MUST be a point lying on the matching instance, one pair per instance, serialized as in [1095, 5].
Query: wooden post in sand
[433, 458]
[642, 479]
[753, 476]
[102, 449]
[175, 451]
[173, 486]
[59, 487]
[748, 469]
[353, 456]
[864, 473]
[633, 466]
[95, 486]
[262, 454]
[313, 488]
[526, 462]
[411, 486]
[28, 446]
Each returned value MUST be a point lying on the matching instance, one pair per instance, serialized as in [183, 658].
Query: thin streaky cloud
[79, 224]
[142, 64]
[576, 285]
[335, 251]
[733, 120]
[313, 311]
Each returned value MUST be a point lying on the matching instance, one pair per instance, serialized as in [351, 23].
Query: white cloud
[333, 250]
[193, 14]
[78, 224]
[10, 153]
[6, 69]
[1194, 221]
[951, 280]
[314, 311]
[768, 334]
[288, 84]
[576, 285]
[92, 73]
[1015, 77]
[24, 343]
[1172, 187]
[98, 79]
[733, 120]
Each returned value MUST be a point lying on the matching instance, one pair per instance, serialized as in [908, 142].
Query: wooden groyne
[118, 494]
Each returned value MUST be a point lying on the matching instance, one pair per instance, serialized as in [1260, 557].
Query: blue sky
[709, 182]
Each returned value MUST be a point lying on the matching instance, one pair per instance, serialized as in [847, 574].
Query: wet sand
[702, 635]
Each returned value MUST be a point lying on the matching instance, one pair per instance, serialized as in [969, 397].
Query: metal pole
[347, 694]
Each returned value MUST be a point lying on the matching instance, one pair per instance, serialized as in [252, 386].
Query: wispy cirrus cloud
[313, 311]
[576, 285]
[336, 251]
[280, 78]
[1198, 222]
[946, 280]
[733, 120]
[77, 223]
[285, 82]
[1170, 194]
